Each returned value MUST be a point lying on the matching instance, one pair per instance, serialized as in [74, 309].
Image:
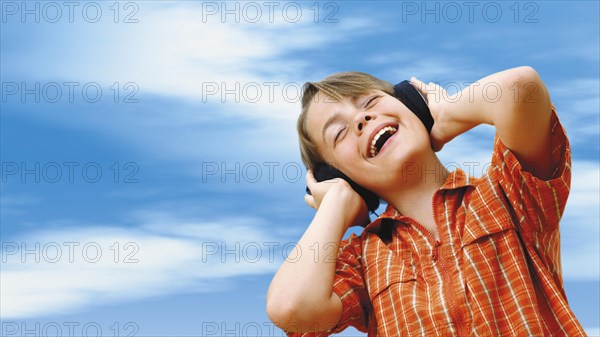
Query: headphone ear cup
[325, 172]
[415, 102]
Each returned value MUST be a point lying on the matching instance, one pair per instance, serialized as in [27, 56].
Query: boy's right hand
[338, 194]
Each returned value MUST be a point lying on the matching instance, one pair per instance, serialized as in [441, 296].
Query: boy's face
[371, 138]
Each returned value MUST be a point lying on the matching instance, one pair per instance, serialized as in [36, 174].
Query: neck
[412, 196]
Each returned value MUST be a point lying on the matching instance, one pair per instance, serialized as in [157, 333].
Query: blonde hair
[351, 84]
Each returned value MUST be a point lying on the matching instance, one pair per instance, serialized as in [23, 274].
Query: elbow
[529, 88]
[529, 81]
[295, 316]
[526, 74]
[288, 314]
[280, 312]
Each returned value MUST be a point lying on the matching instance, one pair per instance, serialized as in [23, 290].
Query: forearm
[306, 276]
[491, 99]
[517, 103]
[301, 290]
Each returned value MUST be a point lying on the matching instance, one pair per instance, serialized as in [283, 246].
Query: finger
[416, 82]
[310, 201]
[332, 180]
[419, 85]
[436, 145]
[310, 179]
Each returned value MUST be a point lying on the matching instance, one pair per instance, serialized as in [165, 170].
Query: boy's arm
[515, 101]
[300, 297]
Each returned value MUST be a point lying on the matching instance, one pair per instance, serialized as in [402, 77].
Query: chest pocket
[388, 269]
[482, 224]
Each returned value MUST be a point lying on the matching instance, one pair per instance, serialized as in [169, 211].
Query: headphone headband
[412, 98]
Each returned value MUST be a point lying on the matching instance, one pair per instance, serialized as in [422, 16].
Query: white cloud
[575, 43]
[593, 332]
[171, 53]
[79, 267]
[15, 204]
[430, 68]
[580, 226]
[577, 102]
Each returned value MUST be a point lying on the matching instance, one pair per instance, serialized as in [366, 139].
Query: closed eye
[338, 135]
[371, 100]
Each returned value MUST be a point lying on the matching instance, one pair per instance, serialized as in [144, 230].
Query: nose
[360, 120]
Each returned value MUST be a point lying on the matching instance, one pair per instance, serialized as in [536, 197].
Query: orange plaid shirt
[495, 270]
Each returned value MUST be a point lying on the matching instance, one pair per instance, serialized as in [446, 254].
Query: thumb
[419, 85]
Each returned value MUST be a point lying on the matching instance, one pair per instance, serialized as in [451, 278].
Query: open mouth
[380, 138]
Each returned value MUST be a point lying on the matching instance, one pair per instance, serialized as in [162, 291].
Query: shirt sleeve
[350, 286]
[538, 204]
[542, 201]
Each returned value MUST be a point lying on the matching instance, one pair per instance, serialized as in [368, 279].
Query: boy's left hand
[444, 128]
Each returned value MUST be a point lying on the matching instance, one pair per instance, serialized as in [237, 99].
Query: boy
[452, 255]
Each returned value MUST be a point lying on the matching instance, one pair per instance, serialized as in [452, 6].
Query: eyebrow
[331, 120]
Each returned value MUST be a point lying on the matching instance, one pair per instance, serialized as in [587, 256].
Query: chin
[408, 159]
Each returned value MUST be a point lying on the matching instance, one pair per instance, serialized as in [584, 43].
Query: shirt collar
[456, 179]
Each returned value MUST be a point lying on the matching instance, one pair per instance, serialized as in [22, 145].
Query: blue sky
[151, 179]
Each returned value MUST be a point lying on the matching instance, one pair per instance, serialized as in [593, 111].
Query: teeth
[379, 134]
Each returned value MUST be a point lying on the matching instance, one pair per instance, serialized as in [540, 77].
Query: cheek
[342, 159]
[351, 163]
[345, 153]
